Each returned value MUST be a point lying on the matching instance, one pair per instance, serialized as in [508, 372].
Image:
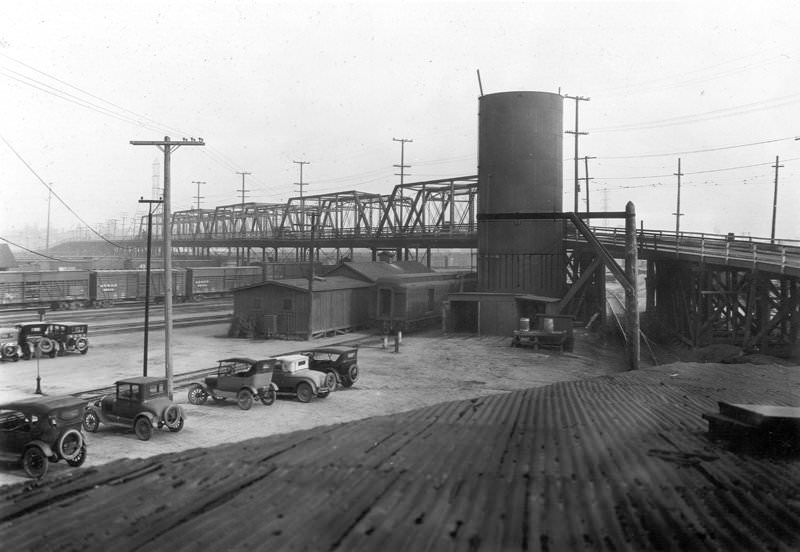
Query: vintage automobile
[292, 375]
[241, 379]
[9, 344]
[70, 337]
[33, 339]
[342, 362]
[141, 403]
[40, 430]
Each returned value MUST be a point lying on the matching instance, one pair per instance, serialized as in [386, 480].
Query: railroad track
[138, 325]
[616, 306]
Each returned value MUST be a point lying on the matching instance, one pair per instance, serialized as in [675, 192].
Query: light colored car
[292, 375]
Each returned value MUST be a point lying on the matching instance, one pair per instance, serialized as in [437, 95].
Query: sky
[266, 84]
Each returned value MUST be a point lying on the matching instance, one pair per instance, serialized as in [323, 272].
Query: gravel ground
[429, 368]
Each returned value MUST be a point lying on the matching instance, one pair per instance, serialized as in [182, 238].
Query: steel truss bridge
[702, 287]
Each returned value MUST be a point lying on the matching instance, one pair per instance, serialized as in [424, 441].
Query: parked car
[70, 337]
[292, 375]
[342, 362]
[33, 338]
[41, 430]
[9, 344]
[241, 379]
[141, 403]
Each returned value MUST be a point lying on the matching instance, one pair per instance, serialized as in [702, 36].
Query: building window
[431, 301]
[287, 304]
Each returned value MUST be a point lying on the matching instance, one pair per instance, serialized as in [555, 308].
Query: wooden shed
[280, 308]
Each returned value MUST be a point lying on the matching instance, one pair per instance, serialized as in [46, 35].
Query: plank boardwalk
[619, 462]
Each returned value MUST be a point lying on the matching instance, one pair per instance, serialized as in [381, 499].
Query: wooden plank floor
[614, 463]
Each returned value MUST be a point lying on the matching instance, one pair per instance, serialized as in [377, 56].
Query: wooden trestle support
[705, 304]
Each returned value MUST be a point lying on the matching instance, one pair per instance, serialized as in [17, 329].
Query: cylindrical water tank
[520, 164]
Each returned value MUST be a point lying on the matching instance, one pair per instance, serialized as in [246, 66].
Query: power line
[58, 197]
[31, 250]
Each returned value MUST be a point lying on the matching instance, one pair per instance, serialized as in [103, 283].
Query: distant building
[372, 271]
[7, 259]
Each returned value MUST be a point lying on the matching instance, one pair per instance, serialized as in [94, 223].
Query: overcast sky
[716, 84]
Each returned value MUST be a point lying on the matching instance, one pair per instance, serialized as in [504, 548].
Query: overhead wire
[58, 197]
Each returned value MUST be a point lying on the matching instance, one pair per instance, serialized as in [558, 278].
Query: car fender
[98, 411]
[152, 418]
[46, 449]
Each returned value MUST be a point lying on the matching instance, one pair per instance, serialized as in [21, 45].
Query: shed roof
[374, 270]
[328, 283]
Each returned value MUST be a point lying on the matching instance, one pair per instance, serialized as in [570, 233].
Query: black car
[34, 339]
[340, 361]
[41, 430]
[70, 337]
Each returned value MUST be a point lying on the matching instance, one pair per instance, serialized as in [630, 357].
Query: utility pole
[242, 189]
[47, 237]
[677, 212]
[168, 146]
[150, 203]
[198, 197]
[301, 183]
[577, 133]
[586, 178]
[402, 166]
[775, 200]
[302, 201]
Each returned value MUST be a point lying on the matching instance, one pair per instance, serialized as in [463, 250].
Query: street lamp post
[168, 146]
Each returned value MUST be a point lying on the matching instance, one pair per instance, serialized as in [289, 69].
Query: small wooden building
[281, 308]
[409, 301]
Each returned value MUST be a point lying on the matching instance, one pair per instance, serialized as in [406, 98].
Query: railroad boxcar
[410, 301]
[53, 288]
[216, 281]
[113, 286]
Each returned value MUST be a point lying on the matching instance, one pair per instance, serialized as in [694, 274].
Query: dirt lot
[429, 368]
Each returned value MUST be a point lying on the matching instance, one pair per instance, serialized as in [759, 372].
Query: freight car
[70, 289]
[114, 286]
[53, 288]
[411, 301]
[215, 281]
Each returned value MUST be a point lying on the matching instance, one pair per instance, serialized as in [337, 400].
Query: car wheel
[330, 381]
[197, 395]
[304, 392]
[172, 416]
[34, 462]
[143, 428]
[268, 397]
[79, 459]
[46, 347]
[91, 421]
[177, 427]
[244, 399]
[70, 444]
[352, 375]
